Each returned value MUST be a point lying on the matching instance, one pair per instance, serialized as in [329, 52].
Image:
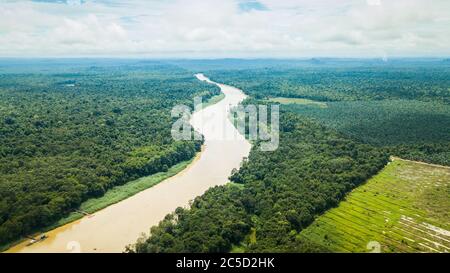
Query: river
[121, 224]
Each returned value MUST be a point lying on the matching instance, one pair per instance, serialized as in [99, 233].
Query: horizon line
[222, 58]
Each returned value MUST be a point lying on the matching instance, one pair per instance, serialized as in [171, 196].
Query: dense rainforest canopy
[71, 131]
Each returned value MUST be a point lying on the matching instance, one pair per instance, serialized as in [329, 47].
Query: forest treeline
[273, 196]
[403, 108]
[67, 135]
[343, 83]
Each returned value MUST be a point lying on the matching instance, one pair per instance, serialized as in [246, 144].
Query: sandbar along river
[115, 227]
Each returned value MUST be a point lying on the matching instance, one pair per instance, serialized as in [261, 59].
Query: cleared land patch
[300, 101]
[405, 208]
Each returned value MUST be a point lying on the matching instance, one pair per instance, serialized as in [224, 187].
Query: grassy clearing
[123, 192]
[405, 208]
[300, 101]
[214, 100]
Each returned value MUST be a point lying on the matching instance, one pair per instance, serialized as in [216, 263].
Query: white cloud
[284, 28]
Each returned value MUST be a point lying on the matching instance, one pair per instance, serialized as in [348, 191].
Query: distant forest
[402, 107]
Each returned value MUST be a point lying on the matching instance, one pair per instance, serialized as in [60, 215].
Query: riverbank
[120, 224]
[119, 193]
[214, 100]
[112, 197]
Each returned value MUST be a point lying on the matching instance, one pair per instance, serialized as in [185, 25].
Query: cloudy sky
[225, 28]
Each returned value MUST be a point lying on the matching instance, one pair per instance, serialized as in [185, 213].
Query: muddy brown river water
[115, 227]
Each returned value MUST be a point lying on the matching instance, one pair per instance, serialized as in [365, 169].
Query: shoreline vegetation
[111, 197]
[213, 100]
